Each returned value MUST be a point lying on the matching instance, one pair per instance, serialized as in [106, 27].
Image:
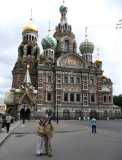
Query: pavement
[30, 127]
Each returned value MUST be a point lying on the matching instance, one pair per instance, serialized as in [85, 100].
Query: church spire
[27, 79]
[49, 28]
[63, 10]
[86, 32]
[31, 16]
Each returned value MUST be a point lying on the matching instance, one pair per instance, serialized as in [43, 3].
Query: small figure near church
[8, 122]
[93, 123]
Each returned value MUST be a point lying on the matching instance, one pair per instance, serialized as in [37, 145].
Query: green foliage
[118, 100]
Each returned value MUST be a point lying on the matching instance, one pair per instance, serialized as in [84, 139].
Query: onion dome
[30, 27]
[63, 8]
[98, 61]
[103, 76]
[49, 42]
[86, 47]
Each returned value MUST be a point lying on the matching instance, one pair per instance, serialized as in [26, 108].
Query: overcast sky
[100, 16]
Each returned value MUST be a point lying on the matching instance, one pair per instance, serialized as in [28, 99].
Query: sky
[101, 17]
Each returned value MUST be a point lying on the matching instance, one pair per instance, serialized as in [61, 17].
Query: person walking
[93, 123]
[40, 138]
[8, 122]
[49, 130]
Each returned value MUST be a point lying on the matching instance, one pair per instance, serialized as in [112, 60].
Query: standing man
[93, 123]
[49, 130]
[8, 122]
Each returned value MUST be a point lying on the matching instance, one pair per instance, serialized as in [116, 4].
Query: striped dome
[49, 42]
[86, 47]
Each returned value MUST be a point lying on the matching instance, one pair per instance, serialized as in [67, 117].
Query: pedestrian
[93, 123]
[8, 122]
[40, 138]
[49, 130]
[3, 121]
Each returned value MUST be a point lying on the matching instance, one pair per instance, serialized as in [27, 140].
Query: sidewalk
[4, 134]
[30, 127]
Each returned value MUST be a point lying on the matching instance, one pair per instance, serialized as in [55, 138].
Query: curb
[8, 134]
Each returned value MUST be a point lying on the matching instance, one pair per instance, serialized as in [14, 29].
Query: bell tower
[28, 54]
[65, 38]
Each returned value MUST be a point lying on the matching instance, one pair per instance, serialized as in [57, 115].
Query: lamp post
[57, 112]
[25, 101]
[24, 115]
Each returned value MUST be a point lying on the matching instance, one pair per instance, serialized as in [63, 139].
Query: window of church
[58, 86]
[85, 98]
[66, 46]
[91, 81]
[58, 81]
[58, 46]
[65, 96]
[72, 97]
[109, 98]
[78, 97]
[48, 96]
[104, 98]
[92, 98]
[77, 80]
[74, 48]
[49, 79]
[85, 103]
[65, 79]
[71, 79]
[28, 52]
[58, 93]
[85, 83]
[58, 97]
[85, 87]
[59, 77]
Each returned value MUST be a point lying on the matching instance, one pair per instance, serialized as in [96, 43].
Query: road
[106, 144]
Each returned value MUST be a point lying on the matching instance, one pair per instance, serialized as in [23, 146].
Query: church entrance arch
[25, 112]
[66, 114]
[94, 114]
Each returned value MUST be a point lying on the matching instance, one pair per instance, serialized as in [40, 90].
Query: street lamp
[57, 112]
[24, 115]
[25, 101]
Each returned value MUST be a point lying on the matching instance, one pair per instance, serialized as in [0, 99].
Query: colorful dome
[49, 42]
[63, 8]
[86, 47]
[30, 27]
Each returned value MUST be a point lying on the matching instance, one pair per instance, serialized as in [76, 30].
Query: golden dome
[30, 27]
[98, 61]
[103, 76]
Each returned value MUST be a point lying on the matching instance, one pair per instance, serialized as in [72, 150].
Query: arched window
[66, 46]
[74, 48]
[29, 52]
[58, 46]
[46, 53]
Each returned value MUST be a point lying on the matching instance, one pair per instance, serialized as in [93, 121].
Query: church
[59, 81]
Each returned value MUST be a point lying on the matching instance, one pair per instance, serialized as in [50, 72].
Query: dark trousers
[93, 128]
[7, 127]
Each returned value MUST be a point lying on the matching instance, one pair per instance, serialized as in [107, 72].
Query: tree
[118, 100]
